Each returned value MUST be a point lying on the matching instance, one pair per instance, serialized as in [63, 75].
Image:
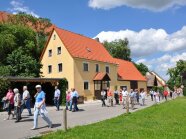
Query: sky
[156, 29]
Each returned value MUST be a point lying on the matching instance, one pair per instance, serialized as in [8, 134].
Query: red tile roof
[101, 76]
[80, 46]
[127, 71]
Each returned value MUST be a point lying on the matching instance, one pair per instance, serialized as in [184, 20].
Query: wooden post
[65, 119]
[127, 107]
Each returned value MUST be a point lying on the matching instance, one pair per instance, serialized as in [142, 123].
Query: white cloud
[163, 63]
[148, 41]
[152, 5]
[18, 6]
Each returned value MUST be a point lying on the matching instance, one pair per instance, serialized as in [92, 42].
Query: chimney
[97, 39]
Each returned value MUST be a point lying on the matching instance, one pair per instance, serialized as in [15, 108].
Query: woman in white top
[142, 95]
[157, 97]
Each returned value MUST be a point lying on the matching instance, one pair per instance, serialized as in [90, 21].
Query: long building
[87, 65]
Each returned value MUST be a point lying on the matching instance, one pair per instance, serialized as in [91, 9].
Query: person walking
[116, 96]
[10, 99]
[103, 93]
[132, 97]
[109, 96]
[74, 98]
[157, 100]
[174, 94]
[124, 97]
[137, 96]
[68, 96]
[57, 97]
[158, 92]
[17, 104]
[152, 94]
[120, 97]
[26, 100]
[40, 108]
[142, 95]
[165, 93]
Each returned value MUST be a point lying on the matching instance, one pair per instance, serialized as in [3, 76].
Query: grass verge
[164, 121]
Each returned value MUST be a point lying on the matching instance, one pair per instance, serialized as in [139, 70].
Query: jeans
[27, 105]
[67, 104]
[74, 102]
[103, 101]
[43, 115]
[71, 105]
[151, 96]
[56, 103]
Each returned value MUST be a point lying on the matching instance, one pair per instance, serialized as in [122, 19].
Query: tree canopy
[176, 74]
[22, 39]
[119, 49]
[142, 68]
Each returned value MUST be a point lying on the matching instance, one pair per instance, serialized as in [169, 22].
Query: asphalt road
[89, 113]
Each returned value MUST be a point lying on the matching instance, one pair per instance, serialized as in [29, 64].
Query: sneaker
[6, 119]
[33, 128]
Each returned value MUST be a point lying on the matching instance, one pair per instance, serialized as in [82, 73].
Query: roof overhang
[100, 76]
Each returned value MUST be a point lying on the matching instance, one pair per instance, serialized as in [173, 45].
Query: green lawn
[164, 121]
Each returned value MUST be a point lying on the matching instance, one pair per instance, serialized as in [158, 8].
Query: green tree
[23, 65]
[142, 68]
[175, 74]
[119, 49]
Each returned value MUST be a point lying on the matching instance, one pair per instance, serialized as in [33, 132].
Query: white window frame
[84, 85]
[83, 66]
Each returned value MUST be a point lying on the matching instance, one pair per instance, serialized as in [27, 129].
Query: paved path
[89, 113]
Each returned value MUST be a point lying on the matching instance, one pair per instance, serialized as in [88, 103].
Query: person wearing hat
[17, 104]
[40, 108]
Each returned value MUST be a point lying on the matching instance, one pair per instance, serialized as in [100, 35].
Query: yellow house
[85, 63]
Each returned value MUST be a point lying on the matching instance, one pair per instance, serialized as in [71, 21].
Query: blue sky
[156, 30]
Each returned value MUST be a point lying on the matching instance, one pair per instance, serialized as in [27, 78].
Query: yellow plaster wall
[81, 76]
[142, 84]
[64, 58]
[124, 83]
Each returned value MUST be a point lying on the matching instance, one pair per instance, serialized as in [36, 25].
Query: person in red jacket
[165, 93]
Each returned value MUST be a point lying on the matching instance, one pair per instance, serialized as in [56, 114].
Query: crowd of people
[14, 103]
[135, 97]
[158, 95]
[17, 102]
[13, 100]
[122, 97]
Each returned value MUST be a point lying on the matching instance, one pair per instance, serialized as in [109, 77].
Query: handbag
[7, 104]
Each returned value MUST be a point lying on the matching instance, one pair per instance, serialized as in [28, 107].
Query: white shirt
[151, 92]
[26, 94]
[142, 95]
[57, 93]
[125, 93]
[103, 93]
